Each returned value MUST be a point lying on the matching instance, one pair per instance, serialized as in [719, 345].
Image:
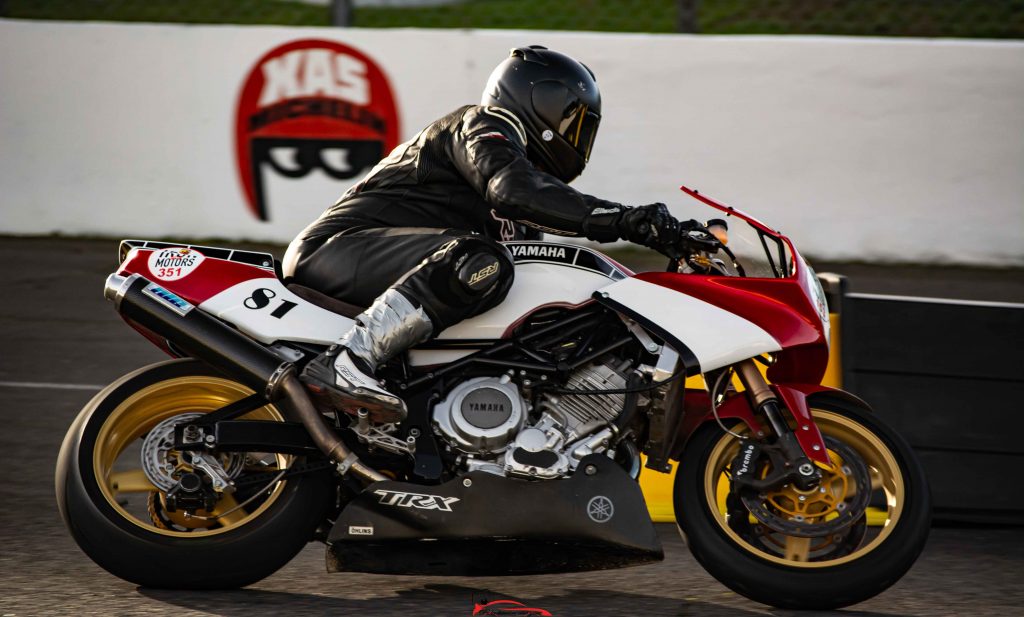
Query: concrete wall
[873, 149]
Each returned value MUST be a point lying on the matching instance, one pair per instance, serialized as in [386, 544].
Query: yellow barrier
[657, 487]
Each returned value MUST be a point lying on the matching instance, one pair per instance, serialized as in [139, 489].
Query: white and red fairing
[716, 320]
[712, 321]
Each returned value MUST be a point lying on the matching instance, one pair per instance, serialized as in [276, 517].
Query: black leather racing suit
[427, 219]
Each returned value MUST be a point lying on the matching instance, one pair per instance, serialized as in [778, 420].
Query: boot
[345, 375]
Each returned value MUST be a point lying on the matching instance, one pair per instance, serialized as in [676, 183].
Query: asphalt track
[59, 340]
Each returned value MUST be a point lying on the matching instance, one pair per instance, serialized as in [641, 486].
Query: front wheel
[840, 543]
[118, 464]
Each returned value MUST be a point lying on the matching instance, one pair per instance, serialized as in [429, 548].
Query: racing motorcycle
[527, 429]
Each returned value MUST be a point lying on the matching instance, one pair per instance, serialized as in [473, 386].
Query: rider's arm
[489, 150]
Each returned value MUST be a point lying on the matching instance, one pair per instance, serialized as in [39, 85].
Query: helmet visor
[579, 128]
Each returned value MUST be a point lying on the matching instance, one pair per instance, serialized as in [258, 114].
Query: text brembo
[748, 455]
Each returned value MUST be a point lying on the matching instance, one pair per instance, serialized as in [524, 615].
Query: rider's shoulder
[496, 118]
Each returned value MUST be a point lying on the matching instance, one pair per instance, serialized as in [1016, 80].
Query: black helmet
[557, 99]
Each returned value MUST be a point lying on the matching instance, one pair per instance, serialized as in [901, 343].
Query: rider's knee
[482, 267]
[466, 276]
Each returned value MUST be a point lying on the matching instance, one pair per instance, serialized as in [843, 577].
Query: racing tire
[768, 571]
[236, 549]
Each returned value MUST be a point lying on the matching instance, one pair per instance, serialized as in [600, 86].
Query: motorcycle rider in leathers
[417, 240]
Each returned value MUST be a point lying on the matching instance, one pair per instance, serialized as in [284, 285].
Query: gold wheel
[839, 487]
[130, 490]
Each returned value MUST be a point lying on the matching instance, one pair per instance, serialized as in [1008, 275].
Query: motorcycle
[527, 429]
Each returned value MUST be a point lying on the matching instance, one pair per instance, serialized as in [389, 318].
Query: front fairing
[780, 295]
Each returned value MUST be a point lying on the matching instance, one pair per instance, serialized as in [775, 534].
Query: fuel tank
[548, 274]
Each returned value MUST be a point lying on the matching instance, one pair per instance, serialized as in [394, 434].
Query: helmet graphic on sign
[311, 105]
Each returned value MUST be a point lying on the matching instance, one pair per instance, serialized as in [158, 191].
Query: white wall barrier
[905, 150]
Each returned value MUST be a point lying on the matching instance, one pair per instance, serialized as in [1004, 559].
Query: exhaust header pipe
[206, 338]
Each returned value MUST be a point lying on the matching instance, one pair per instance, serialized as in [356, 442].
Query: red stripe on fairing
[781, 307]
[211, 277]
[778, 306]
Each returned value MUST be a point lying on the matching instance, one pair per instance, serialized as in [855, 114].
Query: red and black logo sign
[312, 105]
[507, 607]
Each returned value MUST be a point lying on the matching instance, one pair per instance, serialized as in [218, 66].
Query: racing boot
[345, 375]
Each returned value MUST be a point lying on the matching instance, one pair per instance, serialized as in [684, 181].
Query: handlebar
[700, 242]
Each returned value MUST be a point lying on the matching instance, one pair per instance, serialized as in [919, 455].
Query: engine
[496, 429]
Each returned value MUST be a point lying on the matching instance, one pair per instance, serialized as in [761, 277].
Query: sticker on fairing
[168, 299]
[174, 263]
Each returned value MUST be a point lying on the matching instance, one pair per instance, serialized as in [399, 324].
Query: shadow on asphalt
[442, 600]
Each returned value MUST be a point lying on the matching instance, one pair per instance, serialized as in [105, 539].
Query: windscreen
[760, 252]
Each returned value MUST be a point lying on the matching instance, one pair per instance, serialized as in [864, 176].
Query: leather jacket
[469, 170]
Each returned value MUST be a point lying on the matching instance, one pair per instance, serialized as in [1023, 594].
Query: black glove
[694, 237]
[651, 226]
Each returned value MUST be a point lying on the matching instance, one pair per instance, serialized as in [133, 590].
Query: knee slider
[483, 266]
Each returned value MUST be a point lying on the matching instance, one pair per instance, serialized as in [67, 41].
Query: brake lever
[698, 240]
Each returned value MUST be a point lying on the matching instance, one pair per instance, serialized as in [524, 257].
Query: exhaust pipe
[325, 438]
[206, 338]
[196, 333]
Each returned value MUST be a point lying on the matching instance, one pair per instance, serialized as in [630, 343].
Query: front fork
[791, 462]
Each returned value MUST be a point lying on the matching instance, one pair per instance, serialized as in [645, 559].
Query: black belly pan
[497, 526]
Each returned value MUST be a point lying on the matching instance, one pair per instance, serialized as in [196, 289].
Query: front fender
[818, 393]
[795, 397]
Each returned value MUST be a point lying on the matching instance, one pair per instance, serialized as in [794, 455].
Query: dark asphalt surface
[55, 327]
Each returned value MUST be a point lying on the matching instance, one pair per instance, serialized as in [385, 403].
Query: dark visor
[579, 128]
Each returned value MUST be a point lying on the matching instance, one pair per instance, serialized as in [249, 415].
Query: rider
[417, 240]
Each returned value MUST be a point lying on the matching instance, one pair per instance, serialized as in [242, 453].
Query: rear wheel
[118, 463]
[840, 543]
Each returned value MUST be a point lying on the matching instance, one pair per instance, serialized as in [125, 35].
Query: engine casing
[481, 415]
[487, 419]
[581, 415]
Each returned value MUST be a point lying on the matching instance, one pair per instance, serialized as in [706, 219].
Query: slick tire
[228, 556]
[829, 583]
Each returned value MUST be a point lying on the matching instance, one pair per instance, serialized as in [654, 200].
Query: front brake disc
[839, 501]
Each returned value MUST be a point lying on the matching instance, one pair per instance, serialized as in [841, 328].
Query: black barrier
[947, 374]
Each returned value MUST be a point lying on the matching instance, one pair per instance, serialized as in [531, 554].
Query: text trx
[416, 500]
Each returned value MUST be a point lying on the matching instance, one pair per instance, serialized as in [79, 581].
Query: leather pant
[452, 274]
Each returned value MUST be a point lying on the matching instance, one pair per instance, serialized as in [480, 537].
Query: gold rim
[121, 478]
[885, 477]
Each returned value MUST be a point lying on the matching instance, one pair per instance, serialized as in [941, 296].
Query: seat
[324, 301]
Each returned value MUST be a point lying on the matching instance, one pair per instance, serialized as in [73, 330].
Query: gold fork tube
[755, 384]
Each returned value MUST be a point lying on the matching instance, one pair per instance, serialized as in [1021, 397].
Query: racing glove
[651, 226]
[641, 225]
